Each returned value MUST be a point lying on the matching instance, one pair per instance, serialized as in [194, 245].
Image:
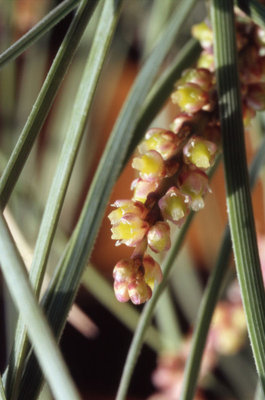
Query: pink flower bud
[124, 270]
[152, 271]
[142, 189]
[121, 291]
[150, 166]
[158, 237]
[163, 141]
[173, 206]
[199, 152]
[190, 97]
[139, 291]
[182, 122]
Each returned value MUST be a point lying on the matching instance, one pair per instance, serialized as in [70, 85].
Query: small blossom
[194, 184]
[199, 152]
[125, 207]
[150, 166]
[204, 34]
[206, 60]
[163, 141]
[158, 237]
[200, 76]
[152, 271]
[190, 97]
[142, 189]
[173, 206]
[130, 230]
[228, 329]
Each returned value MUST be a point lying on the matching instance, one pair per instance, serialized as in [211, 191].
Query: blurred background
[95, 342]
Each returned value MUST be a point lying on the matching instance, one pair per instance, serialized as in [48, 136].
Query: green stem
[44, 344]
[38, 30]
[2, 391]
[44, 101]
[210, 297]
[237, 186]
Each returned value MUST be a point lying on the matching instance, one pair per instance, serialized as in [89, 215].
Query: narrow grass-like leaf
[38, 30]
[41, 337]
[254, 9]
[211, 295]
[64, 169]
[126, 313]
[44, 100]
[237, 186]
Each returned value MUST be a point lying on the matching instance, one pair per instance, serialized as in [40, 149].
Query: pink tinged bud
[206, 60]
[142, 189]
[158, 237]
[190, 97]
[123, 270]
[200, 76]
[125, 207]
[150, 166]
[194, 184]
[199, 152]
[204, 34]
[130, 230]
[121, 291]
[182, 122]
[139, 292]
[255, 97]
[163, 141]
[152, 271]
[174, 206]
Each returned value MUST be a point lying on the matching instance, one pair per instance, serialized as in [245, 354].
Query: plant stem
[237, 186]
[38, 30]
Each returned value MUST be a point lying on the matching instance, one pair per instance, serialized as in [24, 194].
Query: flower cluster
[226, 336]
[172, 163]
